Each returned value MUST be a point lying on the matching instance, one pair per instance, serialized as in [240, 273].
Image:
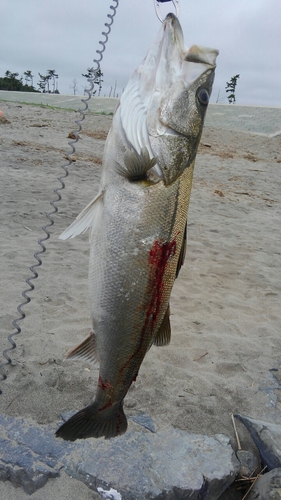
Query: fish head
[166, 100]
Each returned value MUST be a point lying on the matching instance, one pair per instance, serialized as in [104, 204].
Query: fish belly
[133, 262]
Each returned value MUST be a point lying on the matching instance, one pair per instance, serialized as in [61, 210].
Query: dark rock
[267, 487]
[248, 462]
[232, 493]
[169, 464]
[267, 438]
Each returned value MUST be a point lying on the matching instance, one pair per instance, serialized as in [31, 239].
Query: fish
[138, 221]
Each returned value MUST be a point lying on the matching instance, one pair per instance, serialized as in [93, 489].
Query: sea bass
[138, 221]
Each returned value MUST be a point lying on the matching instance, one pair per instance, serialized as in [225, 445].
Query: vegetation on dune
[230, 87]
[47, 84]
[11, 82]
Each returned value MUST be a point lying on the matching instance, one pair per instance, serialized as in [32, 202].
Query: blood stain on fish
[103, 384]
[159, 255]
[108, 405]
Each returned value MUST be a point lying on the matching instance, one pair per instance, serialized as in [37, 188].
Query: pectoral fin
[136, 165]
[163, 335]
[86, 219]
[86, 350]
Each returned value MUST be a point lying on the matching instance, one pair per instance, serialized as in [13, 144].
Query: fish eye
[203, 97]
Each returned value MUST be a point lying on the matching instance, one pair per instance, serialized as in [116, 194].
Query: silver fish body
[138, 220]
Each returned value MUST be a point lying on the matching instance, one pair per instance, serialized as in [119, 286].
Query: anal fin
[86, 350]
[163, 336]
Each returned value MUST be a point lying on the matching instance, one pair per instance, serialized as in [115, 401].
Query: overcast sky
[38, 35]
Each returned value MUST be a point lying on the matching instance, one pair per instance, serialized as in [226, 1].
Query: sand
[225, 304]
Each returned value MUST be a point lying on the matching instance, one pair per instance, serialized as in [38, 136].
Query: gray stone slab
[169, 464]
[21, 466]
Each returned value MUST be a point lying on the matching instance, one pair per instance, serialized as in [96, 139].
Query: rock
[232, 493]
[267, 438]
[23, 467]
[4, 120]
[248, 462]
[146, 421]
[267, 487]
[169, 464]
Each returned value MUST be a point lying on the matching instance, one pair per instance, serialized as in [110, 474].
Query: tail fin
[90, 422]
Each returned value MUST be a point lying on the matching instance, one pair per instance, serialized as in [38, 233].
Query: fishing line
[93, 74]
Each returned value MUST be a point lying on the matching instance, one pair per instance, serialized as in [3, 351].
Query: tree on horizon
[28, 77]
[97, 77]
[44, 83]
[51, 74]
[74, 86]
[230, 87]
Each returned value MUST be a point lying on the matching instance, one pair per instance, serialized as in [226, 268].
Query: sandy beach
[225, 307]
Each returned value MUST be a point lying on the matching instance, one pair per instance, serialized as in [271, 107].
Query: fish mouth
[172, 31]
[170, 69]
[175, 59]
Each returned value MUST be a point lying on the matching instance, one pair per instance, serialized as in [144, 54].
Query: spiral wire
[37, 255]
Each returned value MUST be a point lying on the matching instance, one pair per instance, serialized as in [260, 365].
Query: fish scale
[134, 277]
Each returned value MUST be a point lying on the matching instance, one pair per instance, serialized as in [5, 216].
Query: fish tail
[93, 422]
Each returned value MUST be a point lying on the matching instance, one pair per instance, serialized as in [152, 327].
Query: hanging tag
[157, 8]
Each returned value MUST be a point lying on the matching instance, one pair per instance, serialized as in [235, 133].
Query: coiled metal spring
[29, 281]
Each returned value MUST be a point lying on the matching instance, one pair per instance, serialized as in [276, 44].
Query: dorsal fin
[136, 165]
[163, 336]
[87, 218]
[86, 350]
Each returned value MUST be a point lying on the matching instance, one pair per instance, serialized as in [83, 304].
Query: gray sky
[38, 35]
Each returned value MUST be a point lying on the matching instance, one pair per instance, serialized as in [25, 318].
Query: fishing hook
[157, 7]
